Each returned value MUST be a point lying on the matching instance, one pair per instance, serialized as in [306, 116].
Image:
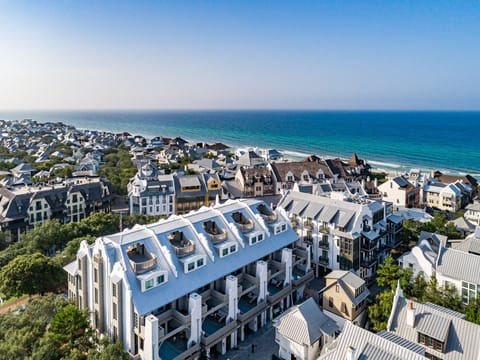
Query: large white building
[345, 234]
[151, 193]
[191, 284]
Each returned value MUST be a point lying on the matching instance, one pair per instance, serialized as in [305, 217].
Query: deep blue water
[447, 141]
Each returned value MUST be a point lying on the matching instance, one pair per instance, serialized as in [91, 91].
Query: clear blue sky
[409, 54]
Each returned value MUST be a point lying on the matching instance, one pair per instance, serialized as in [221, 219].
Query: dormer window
[255, 238]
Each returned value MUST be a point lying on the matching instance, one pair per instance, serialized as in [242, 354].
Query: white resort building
[344, 233]
[192, 284]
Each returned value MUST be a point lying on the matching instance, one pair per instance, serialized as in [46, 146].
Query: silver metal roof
[459, 265]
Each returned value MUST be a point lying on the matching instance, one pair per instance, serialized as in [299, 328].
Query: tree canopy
[30, 274]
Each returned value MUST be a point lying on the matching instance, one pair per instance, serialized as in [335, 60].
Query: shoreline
[377, 166]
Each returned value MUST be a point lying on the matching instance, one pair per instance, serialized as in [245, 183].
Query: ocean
[388, 140]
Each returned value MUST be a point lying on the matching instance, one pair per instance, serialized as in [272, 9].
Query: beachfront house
[400, 192]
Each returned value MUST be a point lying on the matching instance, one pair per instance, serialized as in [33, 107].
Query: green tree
[379, 312]
[70, 327]
[109, 350]
[388, 273]
[419, 286]
[472, 311]
[406, 281]
[30, 274]
[21, 333]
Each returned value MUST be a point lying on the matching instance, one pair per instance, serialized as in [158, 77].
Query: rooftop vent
[245, 225]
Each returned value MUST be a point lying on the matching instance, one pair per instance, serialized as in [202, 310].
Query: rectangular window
[149, 284]
[233, 248]
[114, 308]
[330, 301]
[225, 252]
[191, 266]
[114, 289]
[254, 240]
[260, 237]
[95, 275]
[96, 296]
[284, 227]
[160, 279]
[199, 262]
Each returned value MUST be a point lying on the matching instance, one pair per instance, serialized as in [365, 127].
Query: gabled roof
[461, 335]
[459, 265]
[305, 323]
[154, 237]
[367, 345]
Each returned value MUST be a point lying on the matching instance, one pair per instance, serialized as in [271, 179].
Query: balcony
[217, 235]
[140, 259]
[268, 215]
[307, 225]
[214, 328]
[368, 262]
[308, 240]
[323, 260]
[368, 245]
[324, 229]
[245, 225]
[301, 277]
[324, 244]
[181, 245]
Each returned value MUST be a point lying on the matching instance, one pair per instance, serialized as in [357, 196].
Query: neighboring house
[472, 213]
[194, 191]
[466, 179]
[423, 257]
[461, 269]
[400, 192]
[151, 193]
[446, 197]
[345, 297]
[22, 207]
[302, 331]
[442, 333]
[253, 182]
[344, 234]
[190, 284]
[452, 266]
[250, 159]
[356, 343]
[299, 172]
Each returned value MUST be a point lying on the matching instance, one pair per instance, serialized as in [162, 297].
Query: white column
[287, 260]
[195, 311]
[150, 348]
[231, 288]
[262, 276]
[309, 250]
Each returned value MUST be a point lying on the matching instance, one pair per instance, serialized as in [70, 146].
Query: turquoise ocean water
[447, 141]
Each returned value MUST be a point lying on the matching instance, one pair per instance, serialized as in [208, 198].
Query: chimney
[350, 354]
[410, 315]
